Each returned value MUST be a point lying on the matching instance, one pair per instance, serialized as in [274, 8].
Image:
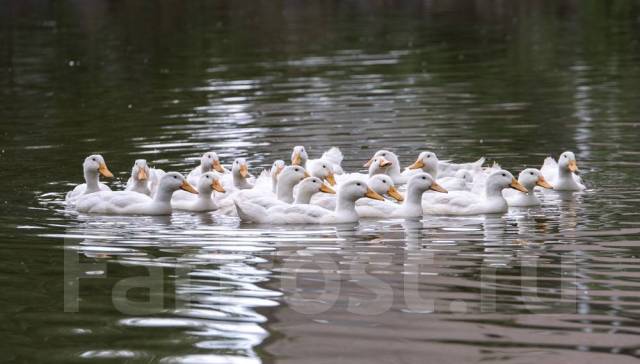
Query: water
[513, 81]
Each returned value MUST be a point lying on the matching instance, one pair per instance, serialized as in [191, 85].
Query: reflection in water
[513, 81]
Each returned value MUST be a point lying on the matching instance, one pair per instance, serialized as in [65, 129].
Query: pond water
[512, 81]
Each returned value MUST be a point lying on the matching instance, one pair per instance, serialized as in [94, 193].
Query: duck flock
[304, 192]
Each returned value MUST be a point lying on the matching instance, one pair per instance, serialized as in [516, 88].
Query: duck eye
[358, 184]
[423, 177]
[324, 166]
[93, 159]
[384, 181]
[504, 175]
[531, 173]
[384, 154]
[428, 156]
[175, 177]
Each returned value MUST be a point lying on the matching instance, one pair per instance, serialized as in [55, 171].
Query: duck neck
[204, 167]
[432, 170]
[163, 196]
[303, 196]
[274, 182]
[238, 180]
[92, 180]
[204, 195]
[493, 191]
[413, 200]
[284, 191]
[564, 173]
[346, 206]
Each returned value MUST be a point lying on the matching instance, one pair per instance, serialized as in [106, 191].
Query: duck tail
[479, 162]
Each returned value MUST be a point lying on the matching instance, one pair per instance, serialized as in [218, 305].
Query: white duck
[139, 180]
[462, 181]
[412, 205]
[207, 183]
[561, 174]
[208, 162]
[529, 178]
[469, 203]
[287, 180]
[345, 211]
[92, 167]
[133, 203]
[333, 157]
[379, 183]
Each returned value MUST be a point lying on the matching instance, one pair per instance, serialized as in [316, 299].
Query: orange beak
[217, 166]
[368, 163]
[395, 194]
[573, 166]
[187, 187]
[306, 174]
[543, 183]
[296, 160]
[326, 189]
[142, 175]
[373, 194]
[436, 187]
[516, 185]
[417, 164]
[244, 170]
[384, 162]
[331, 179]
[103, 170]
[217, 186]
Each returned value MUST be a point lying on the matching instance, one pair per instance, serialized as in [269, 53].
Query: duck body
[93, 167]
[561, 174]
[410, 207]
[345, 211]
[469, 203]
[134, 203]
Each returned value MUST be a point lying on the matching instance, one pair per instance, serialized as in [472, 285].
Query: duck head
[240, 168]
[276, 168]
[94, 165]
[299, 156]
[383, 185]
[531, 177]
[323, 170]
[500, 180]
[140, 170]
[567, 161]
[173, 181]
[209, 182]
[464, 175]
[378, 165]
[210, 161]
[354, 190]
[428, 162]
[422, 182]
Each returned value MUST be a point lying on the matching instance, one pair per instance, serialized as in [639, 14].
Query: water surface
[512, 81]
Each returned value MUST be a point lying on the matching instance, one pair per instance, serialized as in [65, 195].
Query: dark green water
[166, 81]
